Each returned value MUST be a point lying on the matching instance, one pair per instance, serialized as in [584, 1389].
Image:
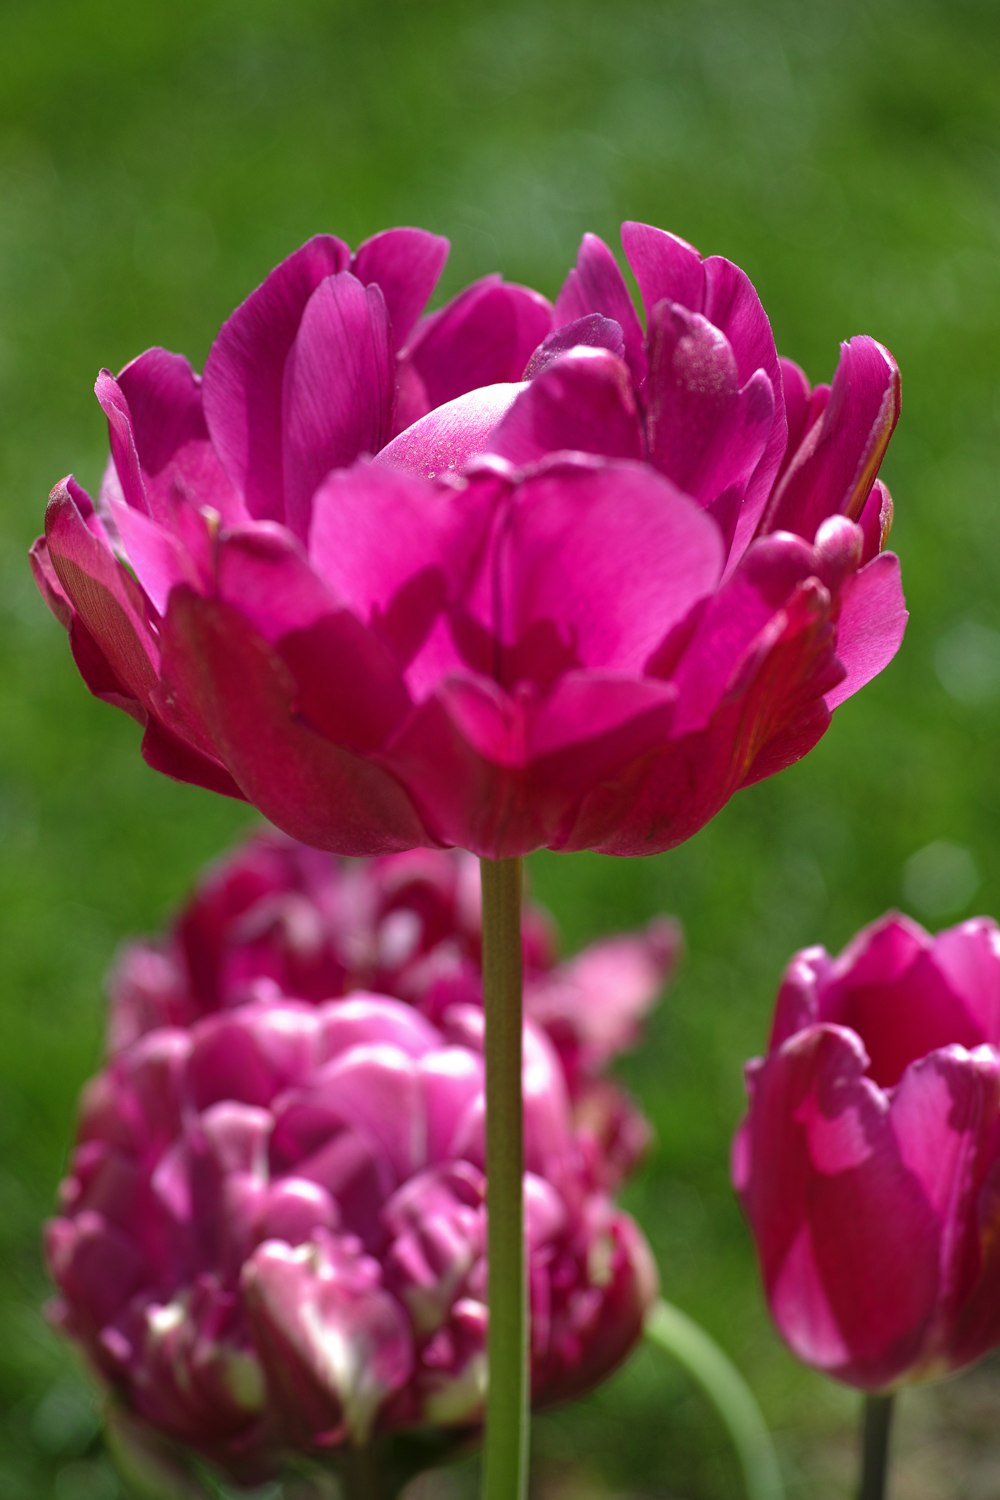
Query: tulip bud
[869, 1161]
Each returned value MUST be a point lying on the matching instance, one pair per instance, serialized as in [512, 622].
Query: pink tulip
[869, 1161]
[278, 918]
[597, 584]
[271, 1238]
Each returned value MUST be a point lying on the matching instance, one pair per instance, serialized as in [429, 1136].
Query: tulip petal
[167, 753]
[706, 432]
[589, 332]
[265, 576]
[596, 1001]
[364, 1019]
[870, 625]
[575, 532]
[245, 371]
[317, 791]
[338, 389]
[402, 553]
[836, 1212]
[160, 442]
[892, 987]
[735, 622]
[834, 469]
[105, 598]
[875, 521]
[582, 402]
[335, 1344]
[231, 1061]
[485, 336]
[667, 267]
[405, 265]
[47, 581]
[968, 959]
[506, 775]
[944, 1115]
[450, 436]
[596, 285]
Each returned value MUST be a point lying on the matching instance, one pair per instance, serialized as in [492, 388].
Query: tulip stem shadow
[876, 1430]
[505, 1456]
[688, 1343]
[362, 1476]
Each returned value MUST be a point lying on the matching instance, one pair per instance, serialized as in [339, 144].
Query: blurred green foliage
[154, 163]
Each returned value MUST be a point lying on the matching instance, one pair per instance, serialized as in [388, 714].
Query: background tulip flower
[276, 918]
[605, 580]
[869, 1161]
[271, 1238]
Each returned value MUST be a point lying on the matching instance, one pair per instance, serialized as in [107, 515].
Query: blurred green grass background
[154, 163]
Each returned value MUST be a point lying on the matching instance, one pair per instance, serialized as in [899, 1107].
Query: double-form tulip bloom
[272, 1235]
[869, 1161]
[275, 918]
[507, 576]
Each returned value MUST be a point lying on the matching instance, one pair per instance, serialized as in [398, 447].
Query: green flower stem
[506, 1441]
[678, 1335]
[876, 1429]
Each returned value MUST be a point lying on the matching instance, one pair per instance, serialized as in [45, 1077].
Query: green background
[154, 164]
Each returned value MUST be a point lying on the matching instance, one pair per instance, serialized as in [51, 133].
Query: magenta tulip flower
[276, 918]
[502, 578]
[272, 1236]
[869, 1161]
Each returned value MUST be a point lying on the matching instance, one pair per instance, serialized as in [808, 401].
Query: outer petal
[334, 1344]
[47, 581]
[798, 1004]
[944, 1115]
[157, 423]
[347, 686]
[661, 797]
[977, 1325]
[253, 1062]
[593, 1005]
[171, 755]
[968, 959]
[245, 372]
[575, 532]
[836, 1212]
[499, 777]
[736, 624]
[834, 469]
[105, 598]
[770, 713]
[315, 790]
[402, 554]
[870, 624]
[601, 1321]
